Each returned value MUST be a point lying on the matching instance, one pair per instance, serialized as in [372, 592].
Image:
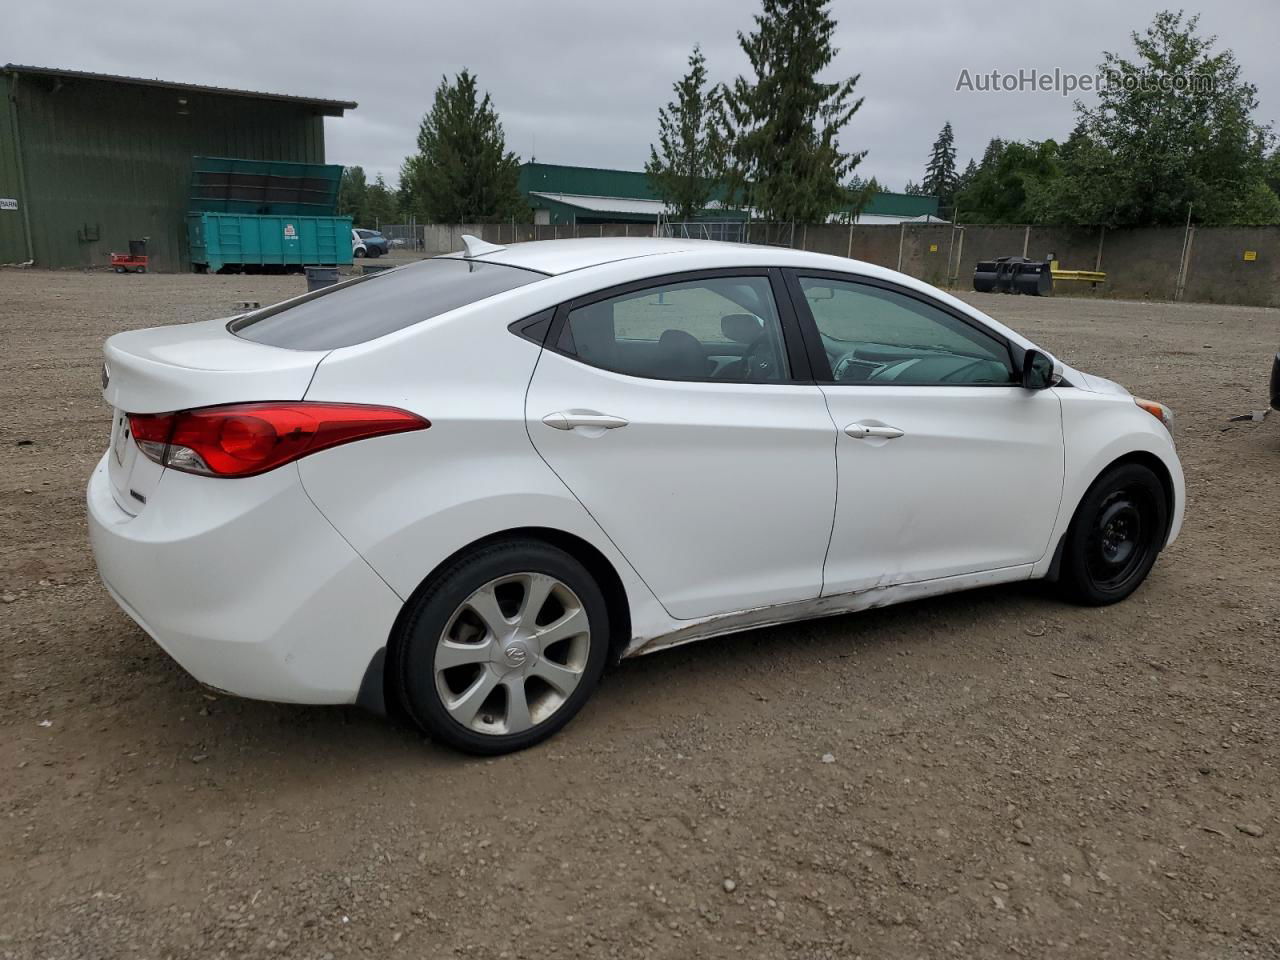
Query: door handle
[568, 419]
[864, 431]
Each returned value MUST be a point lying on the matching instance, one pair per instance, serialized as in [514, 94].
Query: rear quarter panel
[409, 501]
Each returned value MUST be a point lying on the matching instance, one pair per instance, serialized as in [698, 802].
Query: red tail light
[243, 439]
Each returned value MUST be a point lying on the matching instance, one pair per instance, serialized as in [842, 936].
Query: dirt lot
[1012, 776]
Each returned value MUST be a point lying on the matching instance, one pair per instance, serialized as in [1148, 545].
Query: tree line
[1147, 153]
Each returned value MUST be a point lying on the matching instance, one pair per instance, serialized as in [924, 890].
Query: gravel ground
[1007, 775]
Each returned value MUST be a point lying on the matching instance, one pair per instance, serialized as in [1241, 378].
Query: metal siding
[585, 181]
[901, 205]
[119, 157]
[633, 184]
[13, 237]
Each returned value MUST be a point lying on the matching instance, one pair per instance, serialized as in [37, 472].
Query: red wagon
[135, 261]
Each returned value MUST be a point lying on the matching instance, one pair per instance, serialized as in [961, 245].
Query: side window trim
[813, 339]
[534, 328]
[793, 339]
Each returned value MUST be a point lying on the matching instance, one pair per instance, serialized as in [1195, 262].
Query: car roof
[675, 255]
[563, 256]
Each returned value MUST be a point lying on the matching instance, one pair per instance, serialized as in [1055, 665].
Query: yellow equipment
[1091, 277]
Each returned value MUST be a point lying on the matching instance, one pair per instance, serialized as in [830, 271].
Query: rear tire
[502, 648]
[1115, 536]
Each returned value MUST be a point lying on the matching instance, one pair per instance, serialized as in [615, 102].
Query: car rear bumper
[244, 583]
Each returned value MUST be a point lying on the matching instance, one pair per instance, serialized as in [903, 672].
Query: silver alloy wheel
[512, 653]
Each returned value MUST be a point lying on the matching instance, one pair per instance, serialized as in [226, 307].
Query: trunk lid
[183, 367]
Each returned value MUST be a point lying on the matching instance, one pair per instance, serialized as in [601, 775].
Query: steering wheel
[760, 361]
[840, 368]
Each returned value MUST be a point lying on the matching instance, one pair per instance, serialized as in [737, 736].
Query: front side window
[877, 336]
[718, 328]
[378, 304]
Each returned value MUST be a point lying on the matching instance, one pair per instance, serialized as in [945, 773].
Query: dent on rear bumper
[245, 584]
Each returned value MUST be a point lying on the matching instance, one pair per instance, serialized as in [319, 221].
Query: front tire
[503, 647]
[1115, 536]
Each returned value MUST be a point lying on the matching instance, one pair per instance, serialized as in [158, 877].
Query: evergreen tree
[991, 155]
[940, 172]
[688, 173]
[783, 122]
[462, 172]
[913, 189]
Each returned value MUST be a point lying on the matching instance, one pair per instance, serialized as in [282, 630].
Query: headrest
[741, 327]
[682, 354]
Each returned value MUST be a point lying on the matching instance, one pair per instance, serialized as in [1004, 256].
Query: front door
[946, 466]
[670, 411]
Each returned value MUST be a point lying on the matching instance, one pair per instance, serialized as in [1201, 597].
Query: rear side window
[373, 306]
[715, 328]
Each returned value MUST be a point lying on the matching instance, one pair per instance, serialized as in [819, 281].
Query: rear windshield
[381, 303]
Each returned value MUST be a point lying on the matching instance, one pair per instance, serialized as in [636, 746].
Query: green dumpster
[265, 216]
[234, 242]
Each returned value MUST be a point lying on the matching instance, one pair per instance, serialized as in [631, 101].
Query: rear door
[674, 410]
[946, 466]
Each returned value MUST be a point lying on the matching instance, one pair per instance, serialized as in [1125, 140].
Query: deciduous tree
[1173, 129]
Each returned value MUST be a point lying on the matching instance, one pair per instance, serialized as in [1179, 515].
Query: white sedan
[455, 490]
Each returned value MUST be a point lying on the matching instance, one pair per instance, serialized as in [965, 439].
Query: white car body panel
[197, 365]
[981, 466]
[736, 474]
[472, 474]
[245, 584]
[1099, 429]
[286, 585]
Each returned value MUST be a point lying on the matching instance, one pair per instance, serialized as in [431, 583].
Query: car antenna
[475, 247]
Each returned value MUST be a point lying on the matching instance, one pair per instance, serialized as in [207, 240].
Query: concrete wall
[1141, 264]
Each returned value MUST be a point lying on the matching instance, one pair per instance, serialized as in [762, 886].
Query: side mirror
[1039, 370]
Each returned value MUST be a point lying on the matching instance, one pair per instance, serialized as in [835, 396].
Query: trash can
[320, 277]
[368, 268]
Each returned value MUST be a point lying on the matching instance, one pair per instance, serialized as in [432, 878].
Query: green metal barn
[561, 194]
[90, 161]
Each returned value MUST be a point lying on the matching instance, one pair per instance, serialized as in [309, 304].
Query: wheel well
[597, 564]
[1142, 457]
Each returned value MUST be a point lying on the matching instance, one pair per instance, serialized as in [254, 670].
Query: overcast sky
[580, 81]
